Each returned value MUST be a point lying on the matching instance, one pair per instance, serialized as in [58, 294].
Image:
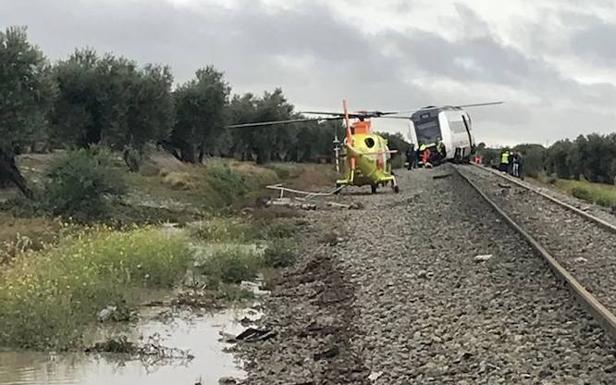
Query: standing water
[197, 335]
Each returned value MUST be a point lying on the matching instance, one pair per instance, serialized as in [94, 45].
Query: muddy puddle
[196, 335]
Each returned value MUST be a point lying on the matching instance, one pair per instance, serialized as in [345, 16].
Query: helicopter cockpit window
[369, 142]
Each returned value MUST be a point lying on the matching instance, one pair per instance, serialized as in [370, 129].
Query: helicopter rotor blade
[383, 115]
[277, 122]
[322, 113]
[395, 117]
[479, 104]
[354, 114]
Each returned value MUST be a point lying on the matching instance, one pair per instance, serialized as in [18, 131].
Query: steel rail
[603, 316]
[606, 225]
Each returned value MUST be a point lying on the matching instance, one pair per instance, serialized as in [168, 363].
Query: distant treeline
[591, 157]
[91, 99]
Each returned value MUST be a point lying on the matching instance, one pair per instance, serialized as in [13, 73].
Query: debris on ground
[288, 202]
[151, 349]
[375, 376]
[227, 338]
[227, 381]
[116, 313]
[327, 353]
[254, 335]
[332, 238]
[254, 288]
[106, 313]
[484, 257]
[504, 185]
[440, 176]
[580, 260]
[164, 316]
[246, 321]
[155, 303]
[301, 203]
[348, 206]
[113, 345]
[196, 299]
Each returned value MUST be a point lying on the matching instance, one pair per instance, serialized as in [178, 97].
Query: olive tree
[26, 93]
[200, 113]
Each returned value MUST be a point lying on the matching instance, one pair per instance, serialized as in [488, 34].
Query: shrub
[229, 184]
[582, 193]
[281, 171]
[605, 200]
[230, 264]
[81, 183]
[280, 253]
[277, 230]
[179, 180]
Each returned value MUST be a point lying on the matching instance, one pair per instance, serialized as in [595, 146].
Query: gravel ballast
[585, 249]
[425, 286]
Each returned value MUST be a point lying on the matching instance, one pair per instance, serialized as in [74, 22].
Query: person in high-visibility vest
[504, 161]
[440, 149]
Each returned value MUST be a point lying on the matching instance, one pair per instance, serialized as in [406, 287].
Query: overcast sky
[552, 61]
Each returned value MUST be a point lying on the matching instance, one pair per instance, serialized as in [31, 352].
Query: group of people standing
[511, 163]
[426, 155]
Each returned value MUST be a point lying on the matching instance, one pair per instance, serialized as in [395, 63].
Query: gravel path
[582, 247]
[401, 299]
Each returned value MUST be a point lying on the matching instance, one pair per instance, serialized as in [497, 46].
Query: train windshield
[428, 131]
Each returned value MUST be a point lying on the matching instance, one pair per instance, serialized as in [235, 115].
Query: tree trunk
[201, 153]
[188, 153]
[9, 171]
[170, 148]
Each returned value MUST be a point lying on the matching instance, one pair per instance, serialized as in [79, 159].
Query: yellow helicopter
[367, 157]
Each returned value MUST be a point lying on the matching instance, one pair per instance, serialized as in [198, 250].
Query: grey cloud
[595, 41]
[329, 57]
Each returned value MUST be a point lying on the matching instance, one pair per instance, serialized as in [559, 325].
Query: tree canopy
[112, 101]
[26, 94]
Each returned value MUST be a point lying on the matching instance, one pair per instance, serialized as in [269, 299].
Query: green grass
[233, 250]
[50, 296]
[224, 229]
[229, 263]
[280, 253]
[597, 193]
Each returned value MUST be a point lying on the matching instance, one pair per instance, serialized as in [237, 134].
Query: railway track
[591, 283]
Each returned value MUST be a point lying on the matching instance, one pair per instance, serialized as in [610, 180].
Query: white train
[450, 125]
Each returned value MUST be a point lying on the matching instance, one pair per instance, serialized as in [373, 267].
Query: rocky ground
[582, 247]
[427, 286]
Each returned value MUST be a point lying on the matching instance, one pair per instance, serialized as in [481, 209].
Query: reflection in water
[197, 335]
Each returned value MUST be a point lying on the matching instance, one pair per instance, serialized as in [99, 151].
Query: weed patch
[221, 229]
[48, 297]
[582, 193]
[229, 184]
[230, 264]
[280, 253]
[601, 194]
